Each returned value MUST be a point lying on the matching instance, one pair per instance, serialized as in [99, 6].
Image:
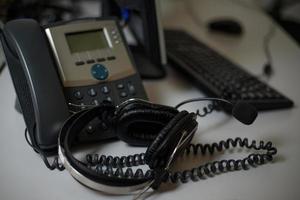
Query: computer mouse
[227, 26]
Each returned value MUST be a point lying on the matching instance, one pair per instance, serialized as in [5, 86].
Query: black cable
[113, 166]
[268, 69]
[214, 106]
[2, 65]
[55, 163]
[202, 99]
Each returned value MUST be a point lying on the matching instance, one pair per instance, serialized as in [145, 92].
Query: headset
[166, 132]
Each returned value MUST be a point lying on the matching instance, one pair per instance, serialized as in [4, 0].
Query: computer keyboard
[217, 76]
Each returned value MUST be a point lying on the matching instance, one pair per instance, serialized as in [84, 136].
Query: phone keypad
[114, 92]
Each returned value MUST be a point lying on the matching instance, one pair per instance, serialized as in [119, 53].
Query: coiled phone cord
[55, 163]
[105, 164]
[113, 166]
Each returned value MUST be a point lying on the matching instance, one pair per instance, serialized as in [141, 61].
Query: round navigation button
[99, 72]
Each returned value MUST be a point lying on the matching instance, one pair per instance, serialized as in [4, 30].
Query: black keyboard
[217, 76]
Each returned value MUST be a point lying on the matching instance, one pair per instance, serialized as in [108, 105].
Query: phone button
[131, 89]
[92, 92]
[101, 59]
[79, 63]
[105, 89]
[78, 95]
[120, 86]
[111, 58]
[109, 99]
[95, 102]
[90, 61]
[123, 94]
[99, 72]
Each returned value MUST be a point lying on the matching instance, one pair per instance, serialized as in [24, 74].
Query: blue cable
[125, 14]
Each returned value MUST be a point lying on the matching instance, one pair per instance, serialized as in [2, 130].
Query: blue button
[99, 72]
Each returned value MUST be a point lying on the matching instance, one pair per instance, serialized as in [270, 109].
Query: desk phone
[93, 62]
[64, 67]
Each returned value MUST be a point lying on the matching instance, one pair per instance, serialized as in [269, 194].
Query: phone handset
[36, 82]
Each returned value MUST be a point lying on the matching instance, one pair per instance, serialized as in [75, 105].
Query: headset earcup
[140, 127]
[162, 147]
[139, 122]
[162, 134]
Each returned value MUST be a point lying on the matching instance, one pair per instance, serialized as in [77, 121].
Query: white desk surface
[24, 176]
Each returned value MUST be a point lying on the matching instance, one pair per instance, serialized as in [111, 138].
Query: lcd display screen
[86, 41]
